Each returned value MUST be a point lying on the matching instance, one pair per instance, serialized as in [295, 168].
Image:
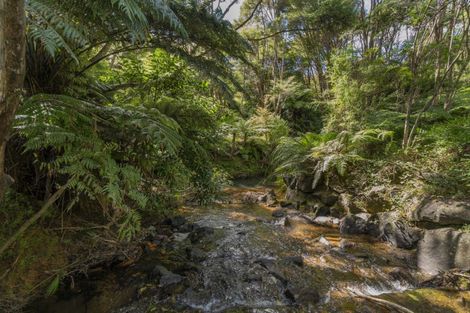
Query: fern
[52, 27]
[93, 153]
[58, 25]
[326, 154]
[130, 225]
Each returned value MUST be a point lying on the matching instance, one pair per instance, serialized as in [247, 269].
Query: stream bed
[236, 257]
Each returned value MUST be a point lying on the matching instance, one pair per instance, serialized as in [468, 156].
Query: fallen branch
[386, 303]
[462, 275]
[33, 219]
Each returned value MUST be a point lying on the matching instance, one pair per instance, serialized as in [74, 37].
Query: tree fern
[326, 154]
[53, 28]
[57, 24]
[93, 153]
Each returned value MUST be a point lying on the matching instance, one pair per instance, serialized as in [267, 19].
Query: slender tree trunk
[12, 71]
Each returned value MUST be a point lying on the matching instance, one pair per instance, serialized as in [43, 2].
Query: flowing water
[252, 262]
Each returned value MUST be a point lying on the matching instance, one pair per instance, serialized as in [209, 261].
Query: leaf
[54, 285]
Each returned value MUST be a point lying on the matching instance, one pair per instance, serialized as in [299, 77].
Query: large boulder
[329, 198]
[353, 225]
[304, 184]
[442, 212]
[391, 227]
[387, 226]
[444, 249]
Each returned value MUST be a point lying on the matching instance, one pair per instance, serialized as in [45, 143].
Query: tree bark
[12, 71]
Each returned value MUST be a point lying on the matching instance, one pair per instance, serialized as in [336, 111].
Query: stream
[237, 257]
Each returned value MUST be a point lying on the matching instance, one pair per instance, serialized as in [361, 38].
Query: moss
[39, 254]
[432, 300]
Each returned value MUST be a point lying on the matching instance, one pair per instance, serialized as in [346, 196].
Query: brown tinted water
[247, 269]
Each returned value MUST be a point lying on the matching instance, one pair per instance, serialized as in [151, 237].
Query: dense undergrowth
[166, 103]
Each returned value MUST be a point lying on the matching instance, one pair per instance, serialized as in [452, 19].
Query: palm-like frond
[45, 110]
[92, 151]
[60, 24]
[53, 28]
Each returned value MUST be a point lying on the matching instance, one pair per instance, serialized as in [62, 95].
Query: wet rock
[322, 211]
[196, 254]
[146, 290]
[301, 188]
[175, 221]
[353, 225]
[328, 221]
[287, 222]
[390, 227]
[252, 277]
[442, 212]
[199, 233]
[401, 274]
[295, 259]
[329, 198]
[444, 249]
[267, 263]
[276, 274]
[302, 296]
[186, 228]
[337, 211]
[188, 267]
[252, 197]
[167, 278]
[279, 213]
[271, 199]
[346, 244]
[180, 236]
[364, 216]
[262, 198]
[324, 241]
[286, 204]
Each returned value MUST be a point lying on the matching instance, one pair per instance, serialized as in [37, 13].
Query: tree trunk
[12, 71]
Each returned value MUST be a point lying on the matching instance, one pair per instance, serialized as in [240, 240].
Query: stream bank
[249, 257]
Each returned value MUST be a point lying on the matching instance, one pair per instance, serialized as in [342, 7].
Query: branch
[387, 303]
[282, 32]
[251, 15]
[97, 60]
[229, 7]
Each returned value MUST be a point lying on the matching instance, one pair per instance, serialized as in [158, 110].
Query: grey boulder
[442, 212]
[444, 249]
[391, 227]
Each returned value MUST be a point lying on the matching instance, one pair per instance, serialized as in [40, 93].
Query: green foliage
[90, 152]
[58, 25]
[269, 126]
[54, 285]
[328, 153]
